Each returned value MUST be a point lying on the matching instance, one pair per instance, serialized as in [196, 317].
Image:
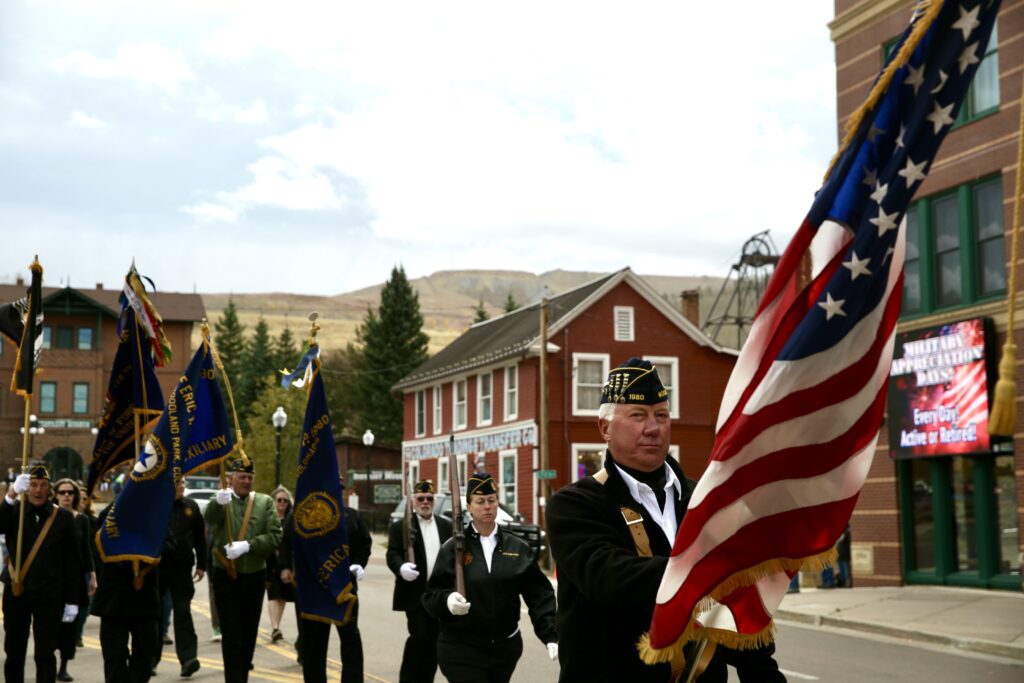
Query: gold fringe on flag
[1002, 420]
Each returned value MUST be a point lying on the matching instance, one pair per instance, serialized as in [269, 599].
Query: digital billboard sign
[938, 391]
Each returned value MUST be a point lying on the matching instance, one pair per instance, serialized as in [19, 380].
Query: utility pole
[545, 485]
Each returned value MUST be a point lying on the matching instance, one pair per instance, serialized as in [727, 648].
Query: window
[442, 475]
[507, 478]
[484, 389]
[47, 397]
[983, 93]
[65, 337]
[437, 409]
[47, 336]
[421, 412]
[459, 404]
[589, 371]
[414, 474]
[623, 323]
[668, 370]
[80, 398]
[85, 339]
[587, 459]
[511, 392]
[955, 248]
[460, 462]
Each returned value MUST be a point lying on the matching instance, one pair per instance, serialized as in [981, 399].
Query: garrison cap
[423, 486]
[242, 465]
[38, 472]
[481, 484]
[635, 381]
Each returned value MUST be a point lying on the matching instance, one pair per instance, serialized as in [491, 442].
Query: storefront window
[924, 515]
[1006, 510]
[964, 515]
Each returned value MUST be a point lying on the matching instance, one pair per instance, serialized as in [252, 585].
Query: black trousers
[419, 659]
[315, 635]
[179, 584]
[465, 661]
[42, 612]
[239, 603]
[124, 664]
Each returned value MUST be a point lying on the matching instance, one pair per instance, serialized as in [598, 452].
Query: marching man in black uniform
[245, 530]
[47, 590]
[611, 535]
[480, 638]
[427, 532]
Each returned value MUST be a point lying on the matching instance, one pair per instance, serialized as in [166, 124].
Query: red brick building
[484, 388]
[79, 340]
[945, 515]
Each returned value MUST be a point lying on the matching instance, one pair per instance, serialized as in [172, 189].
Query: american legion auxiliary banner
[938, 391]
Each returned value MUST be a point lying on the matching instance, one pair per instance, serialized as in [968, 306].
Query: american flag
[801, 413]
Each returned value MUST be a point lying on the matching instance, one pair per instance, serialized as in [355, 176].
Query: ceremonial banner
[21, 321]
[134, 399]
[192, 432]
[319, 532]
[801, 413]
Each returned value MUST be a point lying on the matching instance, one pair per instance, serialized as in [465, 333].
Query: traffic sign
[546, 474]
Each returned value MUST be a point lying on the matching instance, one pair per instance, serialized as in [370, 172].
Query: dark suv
[509, 520]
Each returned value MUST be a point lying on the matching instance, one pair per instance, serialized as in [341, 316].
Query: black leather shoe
[63, 675]
[189, 668]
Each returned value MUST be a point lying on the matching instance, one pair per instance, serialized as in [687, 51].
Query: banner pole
[16, 579]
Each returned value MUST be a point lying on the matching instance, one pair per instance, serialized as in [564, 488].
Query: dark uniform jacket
[606, 592]
[360, 543]
[185, 544]
[116, 596]
[407, 593]
[56, 570]
[493, 597]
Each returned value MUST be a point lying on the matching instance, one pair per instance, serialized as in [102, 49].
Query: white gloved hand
[224, 496]
[236, 549]
[457, 604]
[553, 651]
[70, 612]
[409, 571]
[21, 483]
[357, 571]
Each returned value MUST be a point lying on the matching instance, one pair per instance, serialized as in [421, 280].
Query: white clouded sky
[310, 146]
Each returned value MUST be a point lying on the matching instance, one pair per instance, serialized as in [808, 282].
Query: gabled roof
[515, 334]
[172, 306]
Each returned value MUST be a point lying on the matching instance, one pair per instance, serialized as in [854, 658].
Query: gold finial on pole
[314, 327]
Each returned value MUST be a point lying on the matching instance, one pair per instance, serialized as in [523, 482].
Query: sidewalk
[984, 621]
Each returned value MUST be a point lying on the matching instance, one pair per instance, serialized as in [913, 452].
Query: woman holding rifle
[479, 638]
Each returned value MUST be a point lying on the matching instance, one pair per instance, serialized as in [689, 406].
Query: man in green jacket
[245, 529]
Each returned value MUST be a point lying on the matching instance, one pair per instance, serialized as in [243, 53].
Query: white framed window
[668, 370]
[461, 461]
[484, 398]
[507, 467]
[511, 392]
[442, 475]
[437, 409]
[421, 412]
[673, 452]
[459, 404]
[413, 475]
[589, 371]
[623, 316]
[587, 459]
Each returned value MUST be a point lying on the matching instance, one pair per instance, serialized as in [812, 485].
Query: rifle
[410, 532]
[458, 533]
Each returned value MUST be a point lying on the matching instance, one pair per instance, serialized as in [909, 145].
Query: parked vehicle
[201, 489]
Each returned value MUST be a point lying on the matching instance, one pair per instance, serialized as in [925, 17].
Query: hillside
[448, 301]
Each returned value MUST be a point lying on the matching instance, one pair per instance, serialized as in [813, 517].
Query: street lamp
[32, 431]
[368, 442]
[279, 419]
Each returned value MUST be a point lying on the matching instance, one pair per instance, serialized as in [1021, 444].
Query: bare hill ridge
[448, 300]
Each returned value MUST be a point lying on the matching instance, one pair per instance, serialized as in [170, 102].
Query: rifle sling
[229, 565]
[16, 580]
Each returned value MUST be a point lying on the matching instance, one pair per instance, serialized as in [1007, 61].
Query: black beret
[481, 484]
[38, 472]
[242, 465]
[635, 381]
[424, 486]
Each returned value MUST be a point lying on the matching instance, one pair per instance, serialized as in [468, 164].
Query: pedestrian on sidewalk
[845, 579]
[279, 593]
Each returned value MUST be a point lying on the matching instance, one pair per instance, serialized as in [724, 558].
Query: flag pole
[16, 586]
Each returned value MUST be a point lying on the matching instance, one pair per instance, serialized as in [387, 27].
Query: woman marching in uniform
[479, 638]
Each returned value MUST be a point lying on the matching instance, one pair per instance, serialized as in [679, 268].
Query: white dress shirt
[488, 543]
[431, 541]
[644, 494]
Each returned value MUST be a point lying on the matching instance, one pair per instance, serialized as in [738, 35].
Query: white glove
[357, 571]
[553, 651]
[224, 497]
[409, 571]
[70, 612]
[236, 549]
[21, 483]
[457, 604]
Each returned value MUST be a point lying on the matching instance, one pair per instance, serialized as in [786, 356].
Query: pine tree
[229, 337]
[480, 312]
[286, 355]
[510, 303]
[391, 344]
[257, 370]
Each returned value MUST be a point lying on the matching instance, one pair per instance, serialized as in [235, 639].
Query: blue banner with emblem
[320, 532]
[194, 431]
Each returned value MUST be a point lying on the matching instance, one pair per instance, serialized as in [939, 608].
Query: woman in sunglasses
[278, 592]
[68, 496]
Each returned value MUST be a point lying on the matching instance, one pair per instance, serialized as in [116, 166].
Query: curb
[986, 647]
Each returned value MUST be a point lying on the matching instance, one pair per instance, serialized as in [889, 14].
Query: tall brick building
[79, 340]
[484, 388]
[943, 506]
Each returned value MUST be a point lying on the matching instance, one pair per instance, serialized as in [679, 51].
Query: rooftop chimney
[99, 285]
[20, 281]
[691, 305]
